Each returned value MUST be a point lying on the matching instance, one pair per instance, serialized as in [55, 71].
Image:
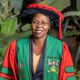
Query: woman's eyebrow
[35, 19]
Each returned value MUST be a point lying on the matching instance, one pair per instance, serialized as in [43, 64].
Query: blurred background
[11, 27]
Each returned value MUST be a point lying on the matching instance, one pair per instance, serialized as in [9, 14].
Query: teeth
[39, 31]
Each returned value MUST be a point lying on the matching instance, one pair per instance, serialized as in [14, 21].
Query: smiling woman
[40, 56]
[40, 25]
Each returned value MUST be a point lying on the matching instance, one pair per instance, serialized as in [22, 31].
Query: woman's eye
[44, 23]
[34, 22]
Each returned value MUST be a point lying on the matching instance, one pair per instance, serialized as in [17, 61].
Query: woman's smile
[40, 25]
[39, 30]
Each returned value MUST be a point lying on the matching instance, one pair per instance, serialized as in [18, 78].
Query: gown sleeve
[9, 65]
[66, 70]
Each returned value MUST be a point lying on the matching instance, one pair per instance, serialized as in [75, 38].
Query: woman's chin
[39, 35]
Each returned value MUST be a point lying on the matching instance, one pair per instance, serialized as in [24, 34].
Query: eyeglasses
[40, 23]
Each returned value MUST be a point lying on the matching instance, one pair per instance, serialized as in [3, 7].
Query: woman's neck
[39, 41]
[38, 44]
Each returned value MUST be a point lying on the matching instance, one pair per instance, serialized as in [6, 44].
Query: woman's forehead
[41, 16]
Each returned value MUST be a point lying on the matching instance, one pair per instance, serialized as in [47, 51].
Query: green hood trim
[53, 53]
[69, 69]
[71, 78]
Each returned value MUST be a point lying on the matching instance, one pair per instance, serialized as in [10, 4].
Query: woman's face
[40, 25]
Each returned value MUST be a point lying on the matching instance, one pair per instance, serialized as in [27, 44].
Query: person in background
[39, 56]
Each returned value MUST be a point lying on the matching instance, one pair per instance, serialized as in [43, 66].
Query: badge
[21, 71]
[21, 65]
[53, 65]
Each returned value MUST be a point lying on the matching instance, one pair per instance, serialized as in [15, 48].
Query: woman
[39, 57]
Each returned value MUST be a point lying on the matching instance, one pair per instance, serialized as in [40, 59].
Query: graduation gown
[57, 64]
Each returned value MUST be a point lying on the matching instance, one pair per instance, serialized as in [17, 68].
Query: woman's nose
[39, 24]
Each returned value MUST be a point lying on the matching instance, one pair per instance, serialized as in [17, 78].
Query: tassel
[60, 28]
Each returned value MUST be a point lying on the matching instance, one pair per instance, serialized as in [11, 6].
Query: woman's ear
[49, 26]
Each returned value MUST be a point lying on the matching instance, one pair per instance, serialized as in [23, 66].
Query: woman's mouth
[39, 31]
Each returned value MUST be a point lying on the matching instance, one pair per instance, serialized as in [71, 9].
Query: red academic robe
[10, 64]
